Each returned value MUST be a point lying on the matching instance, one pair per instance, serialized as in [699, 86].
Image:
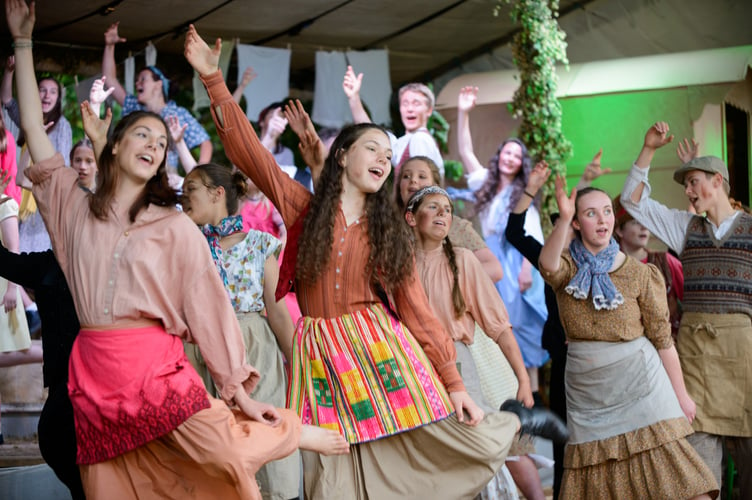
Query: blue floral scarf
[592, 275]
[226, 227]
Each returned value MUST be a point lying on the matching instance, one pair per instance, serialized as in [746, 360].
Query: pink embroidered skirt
[364, 375]
[129, 387]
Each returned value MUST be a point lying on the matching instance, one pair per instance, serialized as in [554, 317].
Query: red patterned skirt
[129, 387]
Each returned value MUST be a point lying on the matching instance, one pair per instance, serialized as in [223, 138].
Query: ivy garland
[536, 48]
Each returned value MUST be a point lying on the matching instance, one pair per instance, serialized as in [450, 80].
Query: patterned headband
[422, 193]
[165, 81]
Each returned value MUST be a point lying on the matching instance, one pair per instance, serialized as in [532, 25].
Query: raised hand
[593, 169]
[176, 130]
[657, 136]
[466, 99]
[352, 82]
[111, 36]
[538, 177]
[20, 18]
[97, 94]
[94, 127]
[566, 203]
[248, 76]
[313, 150]
[298, 118]
[276, 125]
[686, 150]
[204, 59]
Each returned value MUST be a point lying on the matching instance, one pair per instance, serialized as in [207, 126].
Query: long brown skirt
[214, 454]
[445, 460]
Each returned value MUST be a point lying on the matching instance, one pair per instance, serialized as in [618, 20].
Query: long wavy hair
[490, 188]
[390, 257]
[157, 190]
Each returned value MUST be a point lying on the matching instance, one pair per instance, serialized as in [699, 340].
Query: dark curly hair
[390, 258]
[157, 189]
[490, 188]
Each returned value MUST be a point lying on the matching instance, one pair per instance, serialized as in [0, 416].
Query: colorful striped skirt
[364, 375]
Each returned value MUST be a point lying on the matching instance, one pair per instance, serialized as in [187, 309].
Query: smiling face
[148, 87]
[414, 175]
[142, 149]
[432, 219]
[594, 220]
[414, 110]
[701, 189]
[510, 159]
[85, 164]
[367, 162]
[49, 94]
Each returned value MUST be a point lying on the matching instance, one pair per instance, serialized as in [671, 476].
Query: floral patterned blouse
[244, 265]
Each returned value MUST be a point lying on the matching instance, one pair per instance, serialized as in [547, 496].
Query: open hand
[313, 150]
[248, 76]
[94, 127]
[538, 177]
[687, 151]
[466, 99]
[97, 94]
[200, 56]
[298, 118]
[593, 169]
[20, 18]
[111, 36]
[176, 130]
[351, 84]
[566, 203]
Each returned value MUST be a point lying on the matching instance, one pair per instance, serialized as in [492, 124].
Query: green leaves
[536, 49]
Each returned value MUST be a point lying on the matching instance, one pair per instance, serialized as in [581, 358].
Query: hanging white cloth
[150, 54]
[273, 81]
[130, 75]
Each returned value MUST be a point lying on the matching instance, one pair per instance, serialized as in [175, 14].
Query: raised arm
[109, 69]
[248, 76]
[184, 154]
[95, 128]
[551, 252]
[97, 94]
[6, 90]
[592, 171]
[311, 146]
[656, 137]
[465, 103]
[21, 24]
[351, 86]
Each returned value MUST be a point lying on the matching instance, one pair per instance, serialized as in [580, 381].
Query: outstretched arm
[351, 86]
[109, 70]
[551, 252]
[656, 137]
[95, 128]
[465, 103]
[248, 76]
[21, 24]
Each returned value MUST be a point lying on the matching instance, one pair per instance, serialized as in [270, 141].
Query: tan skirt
[443, 460]
[213, 454]
[279, 479]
